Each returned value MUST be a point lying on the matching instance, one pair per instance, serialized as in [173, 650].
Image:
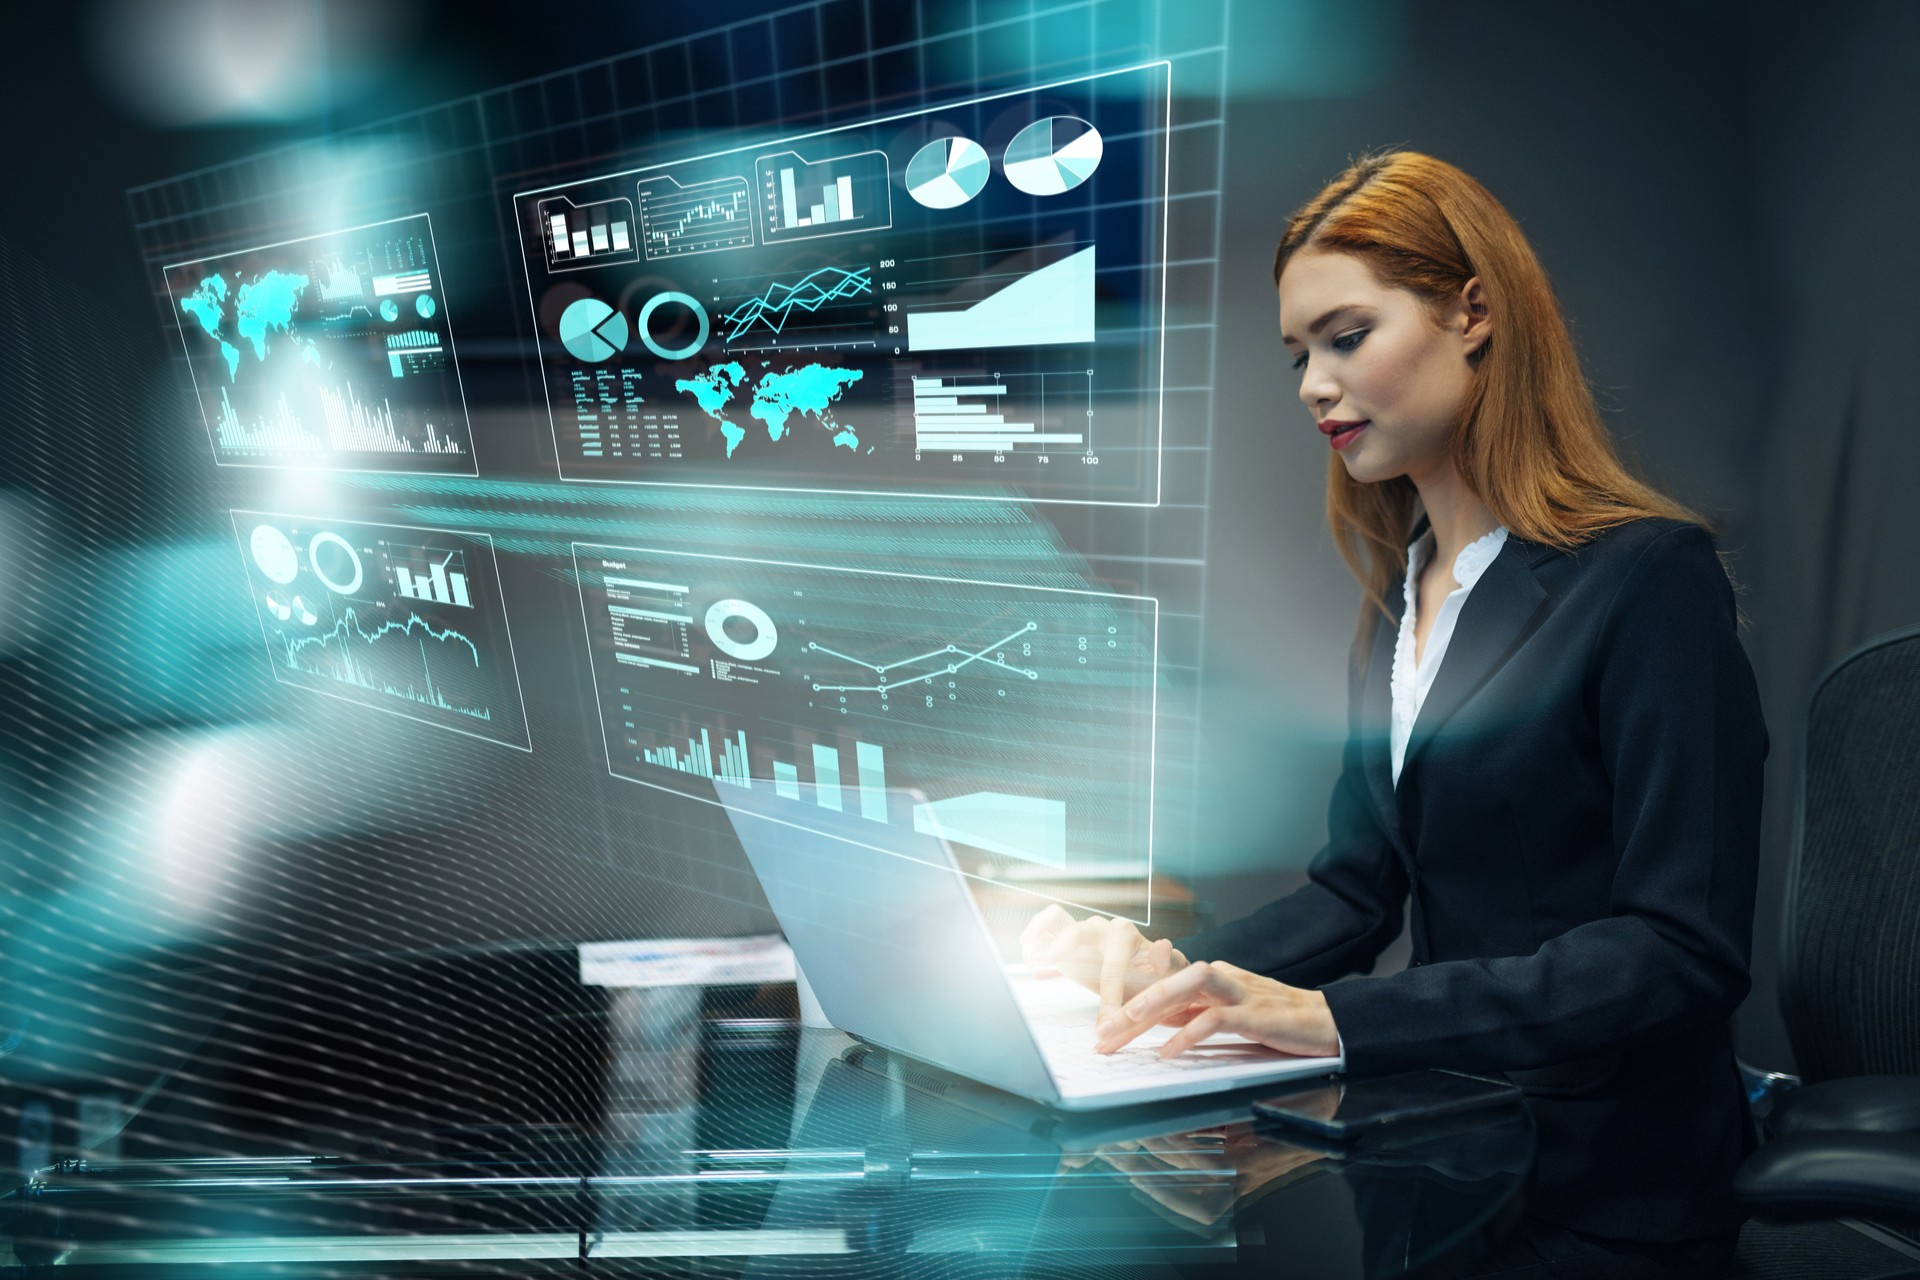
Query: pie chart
[948, 172]
[1053, 155]
[593, 331]
[274, 554]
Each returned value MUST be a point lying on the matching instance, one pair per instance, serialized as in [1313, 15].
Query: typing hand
[1109, 957]
[1209, 997]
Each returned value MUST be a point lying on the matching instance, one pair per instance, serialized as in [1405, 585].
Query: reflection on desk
[733, 1143]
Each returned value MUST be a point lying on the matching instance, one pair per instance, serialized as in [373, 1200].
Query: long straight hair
[1529, 441]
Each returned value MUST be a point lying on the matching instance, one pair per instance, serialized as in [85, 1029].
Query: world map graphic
[779, 395]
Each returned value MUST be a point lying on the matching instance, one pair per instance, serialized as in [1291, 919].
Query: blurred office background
[1721, 192]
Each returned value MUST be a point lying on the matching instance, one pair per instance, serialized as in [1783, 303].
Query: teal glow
[1023, 827]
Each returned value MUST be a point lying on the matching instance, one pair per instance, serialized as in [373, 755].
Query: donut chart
[327, 554]
[765, 635]
[691, 303]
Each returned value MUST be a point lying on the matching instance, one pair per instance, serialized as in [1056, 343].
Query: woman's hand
[1109, 957]
[1209, 997]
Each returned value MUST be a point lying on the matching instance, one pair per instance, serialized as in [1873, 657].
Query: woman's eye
[1348, 341]
[1300, 362]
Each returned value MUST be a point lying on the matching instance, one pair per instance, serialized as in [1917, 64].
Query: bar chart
[1029, 828]
[426, 574]
[802, 199]
[416, 351]
[828, 788]
[697, 759]
[971, 415]
[586, 235]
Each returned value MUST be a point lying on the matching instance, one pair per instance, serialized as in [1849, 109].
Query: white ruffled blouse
[1412, 679]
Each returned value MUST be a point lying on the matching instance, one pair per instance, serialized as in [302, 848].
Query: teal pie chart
[592, 331]
[389, 310]
[1053, 156]
[948, 172]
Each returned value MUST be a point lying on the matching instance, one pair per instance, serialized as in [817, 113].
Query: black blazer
[1577, 822]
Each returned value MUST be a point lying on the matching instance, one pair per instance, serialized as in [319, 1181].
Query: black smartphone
[1349, 1108]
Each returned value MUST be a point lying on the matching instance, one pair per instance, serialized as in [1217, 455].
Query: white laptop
[886, 930]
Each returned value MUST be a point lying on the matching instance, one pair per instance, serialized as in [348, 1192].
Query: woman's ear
[1478, 317]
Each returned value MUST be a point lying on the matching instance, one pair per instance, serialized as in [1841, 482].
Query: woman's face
[1382, 377]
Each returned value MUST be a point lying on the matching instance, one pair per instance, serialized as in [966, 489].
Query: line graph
[681, 219]
[773, 308]
[965, 658]
[376, 673]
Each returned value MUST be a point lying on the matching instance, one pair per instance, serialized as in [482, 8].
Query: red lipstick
[1341, 432]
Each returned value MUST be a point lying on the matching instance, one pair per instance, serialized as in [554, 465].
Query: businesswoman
[1555, 748]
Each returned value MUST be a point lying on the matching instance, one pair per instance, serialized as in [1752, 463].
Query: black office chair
[1835, 1188]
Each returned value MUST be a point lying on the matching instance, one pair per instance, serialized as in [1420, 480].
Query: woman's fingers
[1200, 983]
[1121, 944]
[1041, 931]
[1206, 1023]
[1159, 958]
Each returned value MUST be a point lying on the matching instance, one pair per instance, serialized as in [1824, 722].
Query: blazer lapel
[1494, 619]
[1376, 723]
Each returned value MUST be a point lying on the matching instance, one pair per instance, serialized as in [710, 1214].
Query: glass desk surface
[746, 1146]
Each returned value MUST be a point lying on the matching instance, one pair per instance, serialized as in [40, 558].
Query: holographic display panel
[329, 353]
[1024, 714]
[394, 617]
[960, 302]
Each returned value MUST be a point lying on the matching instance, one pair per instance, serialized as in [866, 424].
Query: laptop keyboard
[1061, 1016]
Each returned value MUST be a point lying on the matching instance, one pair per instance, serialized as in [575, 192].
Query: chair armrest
[1859, 1104]
[1765, 1088]
[1833, 1175]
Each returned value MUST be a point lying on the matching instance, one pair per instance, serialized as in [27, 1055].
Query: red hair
[1529, 441]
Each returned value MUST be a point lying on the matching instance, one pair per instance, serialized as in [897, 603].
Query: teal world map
[780, 395]
[250, 314]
